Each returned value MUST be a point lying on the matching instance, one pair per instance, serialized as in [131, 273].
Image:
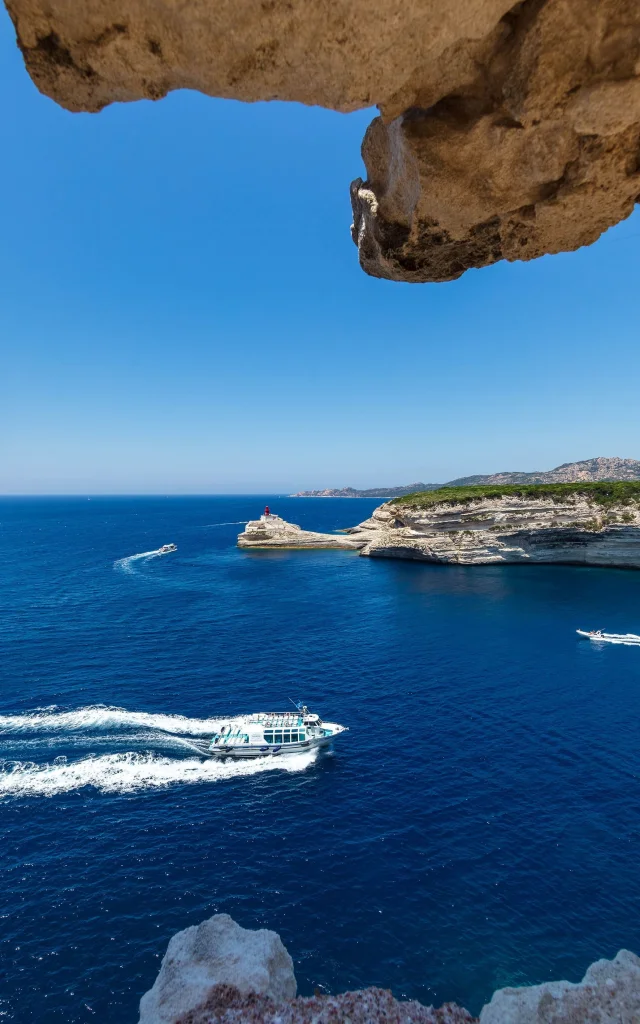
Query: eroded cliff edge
[563, 524]
[220, 973]
[506, 130]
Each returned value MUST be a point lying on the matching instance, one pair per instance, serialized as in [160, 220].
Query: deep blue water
[478, 826]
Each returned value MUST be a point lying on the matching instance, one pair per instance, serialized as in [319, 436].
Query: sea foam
[128, 564]
[131, 772]
[102, 716]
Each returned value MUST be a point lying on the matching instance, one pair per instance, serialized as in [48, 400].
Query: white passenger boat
[166, 548]
[609, 638]
[269, 733]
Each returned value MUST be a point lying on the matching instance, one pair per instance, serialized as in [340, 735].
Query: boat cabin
[276, 728]
[280, 727]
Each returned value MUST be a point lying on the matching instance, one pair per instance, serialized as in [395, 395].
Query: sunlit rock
[573, 530]
[270, 531]
[217, 952]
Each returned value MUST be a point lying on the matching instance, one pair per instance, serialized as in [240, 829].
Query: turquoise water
[477, 826]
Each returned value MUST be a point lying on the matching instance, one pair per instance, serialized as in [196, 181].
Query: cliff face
[575, 530]
[508, 130]
[220, 973]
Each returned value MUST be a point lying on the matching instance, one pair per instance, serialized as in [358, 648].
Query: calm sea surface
[477, 827]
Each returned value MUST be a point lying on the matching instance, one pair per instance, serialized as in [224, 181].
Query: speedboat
[610, 638]
[273, 733]
[166, 548]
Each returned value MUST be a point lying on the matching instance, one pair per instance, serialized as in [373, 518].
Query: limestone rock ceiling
[506, 131]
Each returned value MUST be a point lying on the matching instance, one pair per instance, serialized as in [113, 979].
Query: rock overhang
[507, 131]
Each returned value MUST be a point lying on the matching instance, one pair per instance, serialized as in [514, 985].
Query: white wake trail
[128, 564]
[131, 772]
[237, 522]
[102, 716]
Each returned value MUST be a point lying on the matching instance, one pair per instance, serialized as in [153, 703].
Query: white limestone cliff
[574, 530]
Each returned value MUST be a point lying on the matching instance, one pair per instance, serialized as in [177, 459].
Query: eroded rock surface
[217, 952]
[219, 973]
[521, 143]
[507, 130]
[369, 1006]
[274, 532]
[608, 994]
[507, 529]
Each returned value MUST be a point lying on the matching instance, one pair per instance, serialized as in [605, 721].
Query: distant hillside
[373, 492]
[570, 472]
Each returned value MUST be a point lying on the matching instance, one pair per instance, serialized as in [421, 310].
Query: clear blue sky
[182, 311]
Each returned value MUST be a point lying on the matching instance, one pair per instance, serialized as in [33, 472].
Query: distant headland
[598, 469]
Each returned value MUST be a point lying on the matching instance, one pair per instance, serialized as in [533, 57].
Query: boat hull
[243, 750]
[611, 638]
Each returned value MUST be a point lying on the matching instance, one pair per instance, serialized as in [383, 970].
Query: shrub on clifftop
[618, 492]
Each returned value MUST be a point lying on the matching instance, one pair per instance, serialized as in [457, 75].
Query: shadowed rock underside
[506, 131]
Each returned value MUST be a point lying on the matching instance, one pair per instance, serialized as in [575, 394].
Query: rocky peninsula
[575, 524]
[271, 531]
[219, 973]
[579, 523]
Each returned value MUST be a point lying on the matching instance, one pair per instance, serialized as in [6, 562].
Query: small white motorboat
[166, 548]
[609, 638]
[273, 733]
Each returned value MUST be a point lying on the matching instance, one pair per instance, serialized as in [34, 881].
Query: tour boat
[166, 548]
[271, 733]
[610, 638]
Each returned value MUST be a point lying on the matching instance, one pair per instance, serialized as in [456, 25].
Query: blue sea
[478, 826]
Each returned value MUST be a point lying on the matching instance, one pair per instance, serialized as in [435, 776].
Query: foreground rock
[214, 953]
[608, 994]
[219, 973]
[508, 130]
[512, 144]
[273, 532]
[369, 1006]
[574, 531]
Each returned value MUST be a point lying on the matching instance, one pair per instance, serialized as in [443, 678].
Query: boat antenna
[297, 704]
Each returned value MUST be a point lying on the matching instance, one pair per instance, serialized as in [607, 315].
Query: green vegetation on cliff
[619, 492]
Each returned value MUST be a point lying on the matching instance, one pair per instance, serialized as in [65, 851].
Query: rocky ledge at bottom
[220, 973]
